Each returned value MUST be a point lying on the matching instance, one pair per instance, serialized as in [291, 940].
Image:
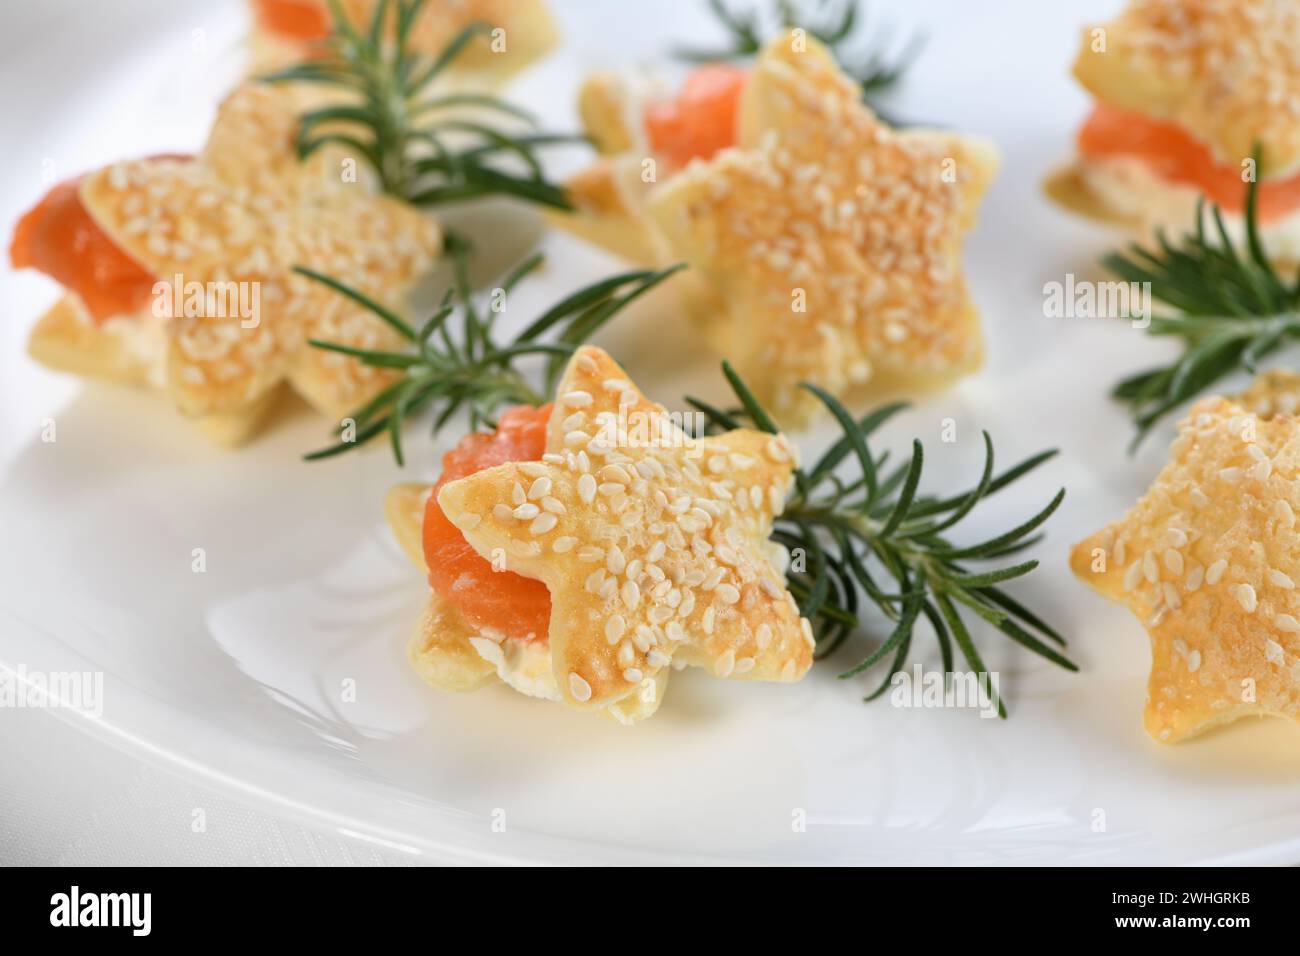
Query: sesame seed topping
[615, 627]
[1245, 595]
[725, 663]
[579, 688]
[1215, 571]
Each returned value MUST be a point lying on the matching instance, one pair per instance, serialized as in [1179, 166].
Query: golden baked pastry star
[1227, 71]
[653, 545]
[1209, 560]
[247, 211]
[833, 243]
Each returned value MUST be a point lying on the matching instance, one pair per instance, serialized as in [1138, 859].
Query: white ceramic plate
[235, 674]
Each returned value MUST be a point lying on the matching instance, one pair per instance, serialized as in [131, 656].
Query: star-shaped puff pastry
[832, 243]
[652, 544]
[247, 211]
[1228, 71]
[1209, 560]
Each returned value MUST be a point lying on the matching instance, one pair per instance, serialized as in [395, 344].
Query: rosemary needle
[454, 361]
[859, 523]
[403, 130]
[1230, 309]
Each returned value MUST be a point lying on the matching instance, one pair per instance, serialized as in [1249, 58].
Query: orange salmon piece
[702, 119]
[1176, 156]
[500, 600]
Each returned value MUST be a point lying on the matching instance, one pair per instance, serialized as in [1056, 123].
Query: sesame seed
[1215, 571]
[615, 627]
[1245, 595]
[631, 595]
[728, 593]
[1286, 622]
[554, 505]
[725, 663]
[1133, 575]
[1149, 568]
[564, 543]
[657, 658]
[1278, 579]
[543, 523]
[587, 488]
[539, 488]
[632, 675]
[579, 689]
[577, 399]
[526, 511]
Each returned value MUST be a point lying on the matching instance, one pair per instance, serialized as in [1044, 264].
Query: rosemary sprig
[1231, 309]
[402, 129]
[835, 23]
[454, 360]
[862, 529]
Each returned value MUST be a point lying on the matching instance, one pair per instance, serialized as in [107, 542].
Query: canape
[1192, 99]
[824, 246]
[1207, 560]
[177, 271]
[587, 547]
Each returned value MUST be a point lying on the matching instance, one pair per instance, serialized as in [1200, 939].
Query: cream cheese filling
[524, 665]
[1127, 186]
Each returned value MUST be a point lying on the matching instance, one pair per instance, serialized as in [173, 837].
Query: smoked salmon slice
[498, 600]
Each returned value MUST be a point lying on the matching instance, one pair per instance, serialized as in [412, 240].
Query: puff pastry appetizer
[177, 271]
[585, 548]
[824, 246]
[1207, 559]
[284, 31]
[1186, 91]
